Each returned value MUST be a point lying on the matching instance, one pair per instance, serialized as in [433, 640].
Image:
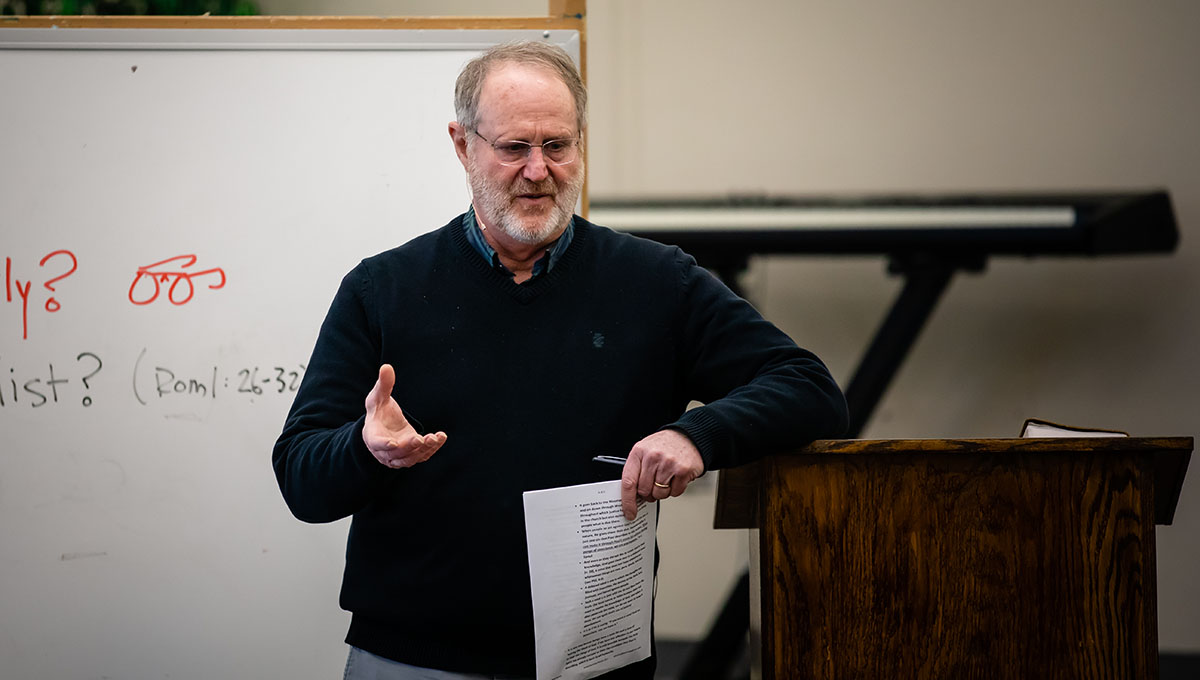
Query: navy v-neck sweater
[529, 382]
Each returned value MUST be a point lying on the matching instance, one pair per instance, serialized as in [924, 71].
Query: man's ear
[458, 135]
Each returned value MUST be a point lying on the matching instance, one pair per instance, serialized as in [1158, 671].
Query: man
[499, 354]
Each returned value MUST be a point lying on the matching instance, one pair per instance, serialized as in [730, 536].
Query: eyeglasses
[513, 152]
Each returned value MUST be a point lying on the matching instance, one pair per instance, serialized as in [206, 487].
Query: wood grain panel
[935, 564]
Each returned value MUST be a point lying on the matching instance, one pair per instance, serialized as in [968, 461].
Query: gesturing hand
[658, 466]
[387, 433]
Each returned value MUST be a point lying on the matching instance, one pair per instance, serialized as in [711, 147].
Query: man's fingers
[628, 498]
[656, 483]
[629, 485]
[429, 444]
[417, 449]
[382, 391]
[631, 491]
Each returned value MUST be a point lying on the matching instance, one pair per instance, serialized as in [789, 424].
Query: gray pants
[362, 665]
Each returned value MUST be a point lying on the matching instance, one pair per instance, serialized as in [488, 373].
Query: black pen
[615, 460]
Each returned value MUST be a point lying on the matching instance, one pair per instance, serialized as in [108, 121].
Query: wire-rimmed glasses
[516, 152]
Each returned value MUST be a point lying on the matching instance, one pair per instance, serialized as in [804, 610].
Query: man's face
[529, 203]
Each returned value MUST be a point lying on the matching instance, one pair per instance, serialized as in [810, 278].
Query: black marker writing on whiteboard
[157, 380]
[37, 387]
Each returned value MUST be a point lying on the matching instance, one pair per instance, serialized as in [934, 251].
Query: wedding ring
[662, 486]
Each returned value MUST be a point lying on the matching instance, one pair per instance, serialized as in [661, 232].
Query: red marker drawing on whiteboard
[53, 305]
[158, 274]
[24, 289]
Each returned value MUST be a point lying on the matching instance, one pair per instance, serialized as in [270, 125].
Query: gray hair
[551, 57]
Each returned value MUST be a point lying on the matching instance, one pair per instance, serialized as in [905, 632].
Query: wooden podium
[983, 558]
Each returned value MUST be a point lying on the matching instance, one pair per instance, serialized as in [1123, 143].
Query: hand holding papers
[592, 576]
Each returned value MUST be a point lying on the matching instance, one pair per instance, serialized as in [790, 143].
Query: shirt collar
[544, 264]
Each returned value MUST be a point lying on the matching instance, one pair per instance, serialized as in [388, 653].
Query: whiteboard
[177, 208]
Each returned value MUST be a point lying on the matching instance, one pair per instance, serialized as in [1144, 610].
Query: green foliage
[130, 7]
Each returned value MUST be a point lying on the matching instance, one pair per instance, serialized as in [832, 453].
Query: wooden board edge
[296, 22]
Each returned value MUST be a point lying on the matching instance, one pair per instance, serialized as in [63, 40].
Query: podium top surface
[998, 445]
[738, 494]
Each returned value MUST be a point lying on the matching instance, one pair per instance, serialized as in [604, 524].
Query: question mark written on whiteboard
[53, 305]
[87, 400]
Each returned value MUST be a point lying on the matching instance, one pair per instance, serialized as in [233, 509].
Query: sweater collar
[544, 264]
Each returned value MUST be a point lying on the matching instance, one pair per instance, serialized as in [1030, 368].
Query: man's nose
[535, 169]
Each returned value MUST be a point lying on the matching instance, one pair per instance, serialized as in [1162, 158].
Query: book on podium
[1036, 427]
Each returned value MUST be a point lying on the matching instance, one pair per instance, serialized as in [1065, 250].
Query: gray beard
[495, 202]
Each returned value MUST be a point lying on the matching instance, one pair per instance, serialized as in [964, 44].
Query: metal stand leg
[923, 287]
[716, 653]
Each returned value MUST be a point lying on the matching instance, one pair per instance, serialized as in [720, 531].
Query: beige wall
[823, 97]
